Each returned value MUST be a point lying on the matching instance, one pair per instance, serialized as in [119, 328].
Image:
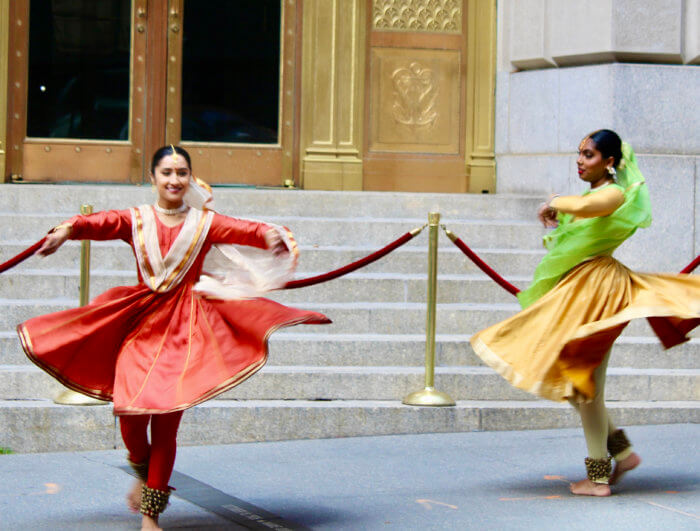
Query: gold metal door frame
[52, 159]
[254, 164]
[4, 46]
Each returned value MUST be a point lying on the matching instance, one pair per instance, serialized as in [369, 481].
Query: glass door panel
[84, 94]
[230, 72]
[79, 69]
[230, 88]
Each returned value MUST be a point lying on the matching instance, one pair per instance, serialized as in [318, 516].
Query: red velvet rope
[507, 285]
[692, 265]
[304, 282]
[21, 257]
[485, 267]
[301, 283]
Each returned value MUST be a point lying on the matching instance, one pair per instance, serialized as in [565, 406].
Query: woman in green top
[581, 299]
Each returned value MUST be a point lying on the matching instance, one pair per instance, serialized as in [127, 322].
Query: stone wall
[566, 68]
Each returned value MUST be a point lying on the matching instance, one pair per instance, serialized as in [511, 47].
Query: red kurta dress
[157, 352]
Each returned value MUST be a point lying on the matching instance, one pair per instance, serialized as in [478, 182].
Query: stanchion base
[72, 398]
[428, 397]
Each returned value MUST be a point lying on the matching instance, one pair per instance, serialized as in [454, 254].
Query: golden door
[95, 87]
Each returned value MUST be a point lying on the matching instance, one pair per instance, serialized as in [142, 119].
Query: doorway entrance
[95, 87]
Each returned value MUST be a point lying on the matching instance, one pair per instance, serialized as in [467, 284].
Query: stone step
[368, 350]
[506, 234]
[118, 256]
[388, 383]
[349, 318]
[356, 287]
[298, 348]
[246, 202]
[41, 426]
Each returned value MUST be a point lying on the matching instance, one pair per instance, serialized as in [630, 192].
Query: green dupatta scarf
[573, 242]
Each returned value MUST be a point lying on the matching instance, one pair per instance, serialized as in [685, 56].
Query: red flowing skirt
[157, 352]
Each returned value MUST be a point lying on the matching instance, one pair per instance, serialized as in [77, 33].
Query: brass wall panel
[333, 62]
[415, 105]
[443, 16]
[60, 160]
[416, 97]
[407, 146]
[250, 165]
[415, 174]
[481, 86]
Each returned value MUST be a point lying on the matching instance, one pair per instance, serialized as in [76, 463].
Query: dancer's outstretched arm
[226, 229]
[105, 225]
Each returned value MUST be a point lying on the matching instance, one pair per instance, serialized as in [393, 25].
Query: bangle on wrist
[549, 203]
[62, 226]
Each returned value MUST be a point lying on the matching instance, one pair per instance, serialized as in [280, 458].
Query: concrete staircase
[348, 378]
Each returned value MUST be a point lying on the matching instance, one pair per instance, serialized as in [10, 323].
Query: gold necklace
[170, 211]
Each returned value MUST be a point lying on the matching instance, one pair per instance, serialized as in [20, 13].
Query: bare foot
[149, 522]
[586, 487]
[133, 498]
[630, 462]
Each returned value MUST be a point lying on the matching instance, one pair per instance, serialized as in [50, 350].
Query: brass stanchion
[68, 396]
[429, 396]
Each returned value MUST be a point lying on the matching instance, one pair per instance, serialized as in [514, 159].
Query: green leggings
[595, 419]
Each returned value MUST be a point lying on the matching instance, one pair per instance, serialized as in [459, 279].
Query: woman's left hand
[275, 243]
[547, 216]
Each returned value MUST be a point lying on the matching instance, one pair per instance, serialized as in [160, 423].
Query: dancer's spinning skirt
[552, 347]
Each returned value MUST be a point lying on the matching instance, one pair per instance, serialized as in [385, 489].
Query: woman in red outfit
[183, 334]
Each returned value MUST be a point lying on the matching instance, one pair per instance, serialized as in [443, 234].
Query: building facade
[566, 68]
[403, 95]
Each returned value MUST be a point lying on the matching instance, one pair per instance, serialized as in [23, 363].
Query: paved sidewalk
[461, 481]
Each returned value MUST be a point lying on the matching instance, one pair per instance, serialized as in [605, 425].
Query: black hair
[166, 151]
[608, 143]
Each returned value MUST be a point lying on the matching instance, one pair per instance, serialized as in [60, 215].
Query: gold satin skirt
[552, 347]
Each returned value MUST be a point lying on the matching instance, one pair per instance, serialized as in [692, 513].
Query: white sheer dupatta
[233, 271]
[163, 273]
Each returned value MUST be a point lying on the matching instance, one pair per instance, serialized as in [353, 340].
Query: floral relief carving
[415, 91]
[444, 16]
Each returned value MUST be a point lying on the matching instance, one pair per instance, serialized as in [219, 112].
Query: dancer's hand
[54, 240]
[275, 243]
[548, 215]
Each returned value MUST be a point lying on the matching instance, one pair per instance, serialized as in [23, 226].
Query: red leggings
[160, 453]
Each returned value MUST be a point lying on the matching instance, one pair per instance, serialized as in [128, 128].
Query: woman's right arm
[105, 225]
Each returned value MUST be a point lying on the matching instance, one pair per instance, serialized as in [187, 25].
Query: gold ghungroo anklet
[618, 443]
[153, 501]
[598, 470]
